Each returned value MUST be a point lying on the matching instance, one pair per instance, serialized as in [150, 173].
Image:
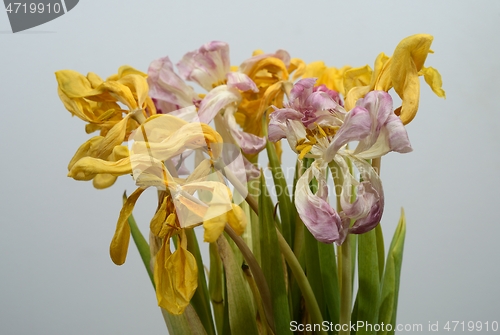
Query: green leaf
[187, 323]
[239, 299]
[369, 281]
[330, 279]
[390, 281]
[272, 265]
[304, 285]
[313, 269]
[380, 250]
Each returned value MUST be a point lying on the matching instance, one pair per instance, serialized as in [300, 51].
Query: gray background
[55, 273]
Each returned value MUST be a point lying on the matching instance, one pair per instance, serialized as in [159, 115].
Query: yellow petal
[214, 227]
[165, 136]
[381, 79]
[257, 52]
[176, 279]
[102, 181]
[408, 59]
[297, 65]
[267, 71]
[314, 69]
[355, 77]
[125, 70]
[113, 138]
[119, 152]
[113, 91]
[89, 148]
[92, 127]
[159, 218]
[138, 86]
[119, 243]
[88, 167]
[94, 79]
[333, 78]
[168, 226]
[433, 79]
[237, 219]
[354, 94]
[73, 84]
[77, 106]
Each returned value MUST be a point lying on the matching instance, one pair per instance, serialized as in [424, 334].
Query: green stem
[141, 244]
[345, 286]
[376, 164]
[300, 277]
[200, 299]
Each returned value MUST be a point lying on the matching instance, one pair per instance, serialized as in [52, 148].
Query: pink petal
[206, 66]
[165, 86]
[301, 91]
[248, 64]
[318, 216]
[357, 126]
[278, 122]
[249, 143]
[368, 207]
[215, 101]
[241, 81]
[388, 132]
[379, 105]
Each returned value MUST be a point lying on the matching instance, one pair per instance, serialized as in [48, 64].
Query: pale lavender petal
[398, 137]
[188, 114]
[333, 94]
[301, 91]
[166, 86]
[206, 66]
[368, 207]
[284, 56]
[248, 64]
[392, 137]
[241, 81]
[379, 104]
[320, 108]
[249, 143]
[388, 132]
[278, 122]
[321, 101]
[216, 100]
[357, 126]
[318, 216]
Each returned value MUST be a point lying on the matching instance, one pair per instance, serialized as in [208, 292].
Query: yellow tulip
[400, 71]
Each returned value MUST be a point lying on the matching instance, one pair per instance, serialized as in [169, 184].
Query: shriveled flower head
[158, 149]
[317, 127]
[401, 72]
[109, 106]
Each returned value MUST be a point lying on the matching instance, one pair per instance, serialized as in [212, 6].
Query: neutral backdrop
[56, 276]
